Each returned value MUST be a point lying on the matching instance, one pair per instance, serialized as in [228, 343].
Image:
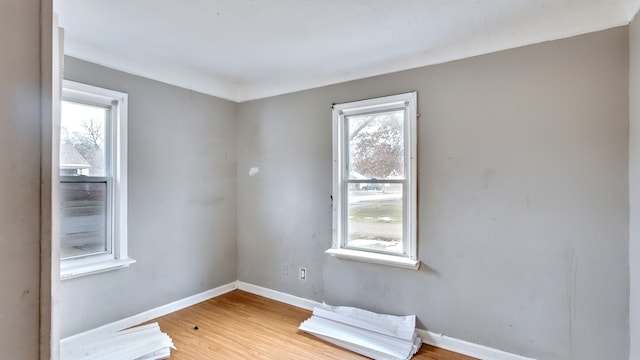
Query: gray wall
[523, 199]
[19, 178]
[634, 186]
[182, 201]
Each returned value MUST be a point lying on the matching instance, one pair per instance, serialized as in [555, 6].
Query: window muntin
[93, 180]
[375, 180]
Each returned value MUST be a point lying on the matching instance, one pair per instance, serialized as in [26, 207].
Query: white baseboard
[154, 313]
[466, 348]
[428, 337]
[278, 296]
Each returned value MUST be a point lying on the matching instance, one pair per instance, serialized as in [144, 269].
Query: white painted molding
[466, 348]
[154, 313]
[428, 337]
[278, 296]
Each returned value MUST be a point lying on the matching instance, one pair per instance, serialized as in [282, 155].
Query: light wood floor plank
[240, 325]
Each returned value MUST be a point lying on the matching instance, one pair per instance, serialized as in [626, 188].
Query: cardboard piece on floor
[145, 342]
[378, 336]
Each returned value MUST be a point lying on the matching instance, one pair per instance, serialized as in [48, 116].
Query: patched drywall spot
[254, 170]
[487, 177]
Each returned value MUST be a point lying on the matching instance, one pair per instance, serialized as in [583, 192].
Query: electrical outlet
[285, 270]
[303, 273]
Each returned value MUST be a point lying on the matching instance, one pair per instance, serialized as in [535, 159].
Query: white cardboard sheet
[378, 336]
[145, 342]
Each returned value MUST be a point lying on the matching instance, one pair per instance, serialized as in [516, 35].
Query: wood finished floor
[240, 325]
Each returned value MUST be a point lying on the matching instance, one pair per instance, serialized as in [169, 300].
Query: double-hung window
[374, 180]
[93, 180]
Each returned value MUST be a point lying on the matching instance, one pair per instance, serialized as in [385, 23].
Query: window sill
[376, 258]
[74, 269]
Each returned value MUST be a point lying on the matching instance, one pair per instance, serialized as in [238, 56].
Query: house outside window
[93, 180]
[374, 180]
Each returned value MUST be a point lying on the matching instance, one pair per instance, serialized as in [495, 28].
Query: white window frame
[409, 259]
[117, 257]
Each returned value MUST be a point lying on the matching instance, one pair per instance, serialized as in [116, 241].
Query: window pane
[375, 217]
[83, 218]
[83, 139]
[376, 145]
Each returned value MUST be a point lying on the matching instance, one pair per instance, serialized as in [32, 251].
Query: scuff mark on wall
[487, 177]
[571, 273]
[254, 170]
[208, 201]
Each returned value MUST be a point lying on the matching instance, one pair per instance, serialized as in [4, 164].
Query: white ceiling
[248, 49]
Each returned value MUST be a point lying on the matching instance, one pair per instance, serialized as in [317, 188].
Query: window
[93, 180]
[374, 180]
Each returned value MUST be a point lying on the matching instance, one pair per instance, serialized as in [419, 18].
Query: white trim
[72, 270]
[277, 295]
[117, 205]
[465, 347]
[51, 55]
[90, 93]
[428, 337]
[156, 312]
[376, 258]
[341, 180]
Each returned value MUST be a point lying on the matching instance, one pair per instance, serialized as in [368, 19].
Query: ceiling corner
[633, 7]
